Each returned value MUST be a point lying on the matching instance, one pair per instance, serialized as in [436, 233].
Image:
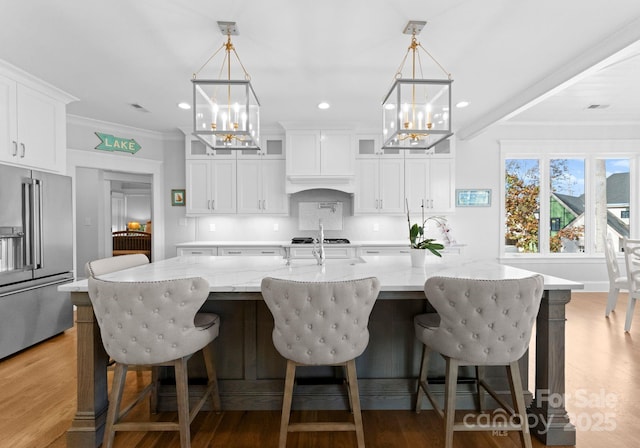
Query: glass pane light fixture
[416, 112]
[226, 112]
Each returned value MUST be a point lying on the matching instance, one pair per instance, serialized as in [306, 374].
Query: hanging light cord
[229, 47]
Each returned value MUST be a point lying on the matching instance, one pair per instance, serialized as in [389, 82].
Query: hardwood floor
[37, 399]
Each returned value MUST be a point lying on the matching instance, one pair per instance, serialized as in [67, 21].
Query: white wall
[88, 219]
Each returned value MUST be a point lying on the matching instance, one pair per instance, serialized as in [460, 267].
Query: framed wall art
[473, 198]
[177, 197]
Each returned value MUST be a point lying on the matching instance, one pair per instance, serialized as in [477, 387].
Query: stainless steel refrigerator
[36, 255]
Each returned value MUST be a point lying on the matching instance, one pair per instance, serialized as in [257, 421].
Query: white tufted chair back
[113, 264]
[151, 322]
[320, 323]
[482, 322]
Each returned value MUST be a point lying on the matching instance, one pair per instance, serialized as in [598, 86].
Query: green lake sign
[110, 143]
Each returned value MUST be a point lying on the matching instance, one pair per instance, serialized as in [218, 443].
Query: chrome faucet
[318, 252]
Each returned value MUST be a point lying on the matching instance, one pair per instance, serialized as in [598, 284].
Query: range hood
[296, 183]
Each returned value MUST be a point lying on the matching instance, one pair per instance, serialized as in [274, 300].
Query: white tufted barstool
[155, 323]
[112, 264]
[321, 323]
[617, 281]
[479, 323]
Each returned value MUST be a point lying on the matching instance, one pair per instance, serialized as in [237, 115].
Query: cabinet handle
[404, 251]
[234, 252]
[23, 150]
[259, 204]
[264, 204]
[373, 251]
[209, 204]
[196, 252]
[213, 204]
[431, 203]
[381, 204]
[268, 252]
[15, 148]
[377, 204]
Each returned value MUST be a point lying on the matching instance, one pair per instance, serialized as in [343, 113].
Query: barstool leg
[515, 382]
[355, 397]
[286, 402]
[450, 400]
[182, 395]
[212, 376]
[113, 413]
[422, 379]
[479, 391]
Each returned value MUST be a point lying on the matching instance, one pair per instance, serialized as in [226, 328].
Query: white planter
[418, 257]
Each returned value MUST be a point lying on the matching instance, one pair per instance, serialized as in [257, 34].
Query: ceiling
[505, 56]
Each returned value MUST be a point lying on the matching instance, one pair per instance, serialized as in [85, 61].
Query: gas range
[311, 240]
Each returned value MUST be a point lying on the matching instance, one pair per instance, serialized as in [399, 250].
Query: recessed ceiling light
[324, 105]
[462, 104]
[185, 106]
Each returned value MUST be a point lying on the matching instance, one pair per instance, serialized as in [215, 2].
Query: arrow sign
[110, 143]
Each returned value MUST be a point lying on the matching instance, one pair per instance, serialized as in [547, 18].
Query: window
[560, 198]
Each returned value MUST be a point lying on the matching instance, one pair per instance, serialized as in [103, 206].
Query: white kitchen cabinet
[429, 182]
[315, 152]
[306, 251]
[211, 187]
[32, 124]
[195, 149]
[379, 186]
[271, 147]
[384, 250]
[204, 251]
[261, 186]
[252, 251]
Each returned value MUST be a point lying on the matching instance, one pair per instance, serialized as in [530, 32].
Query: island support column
[547, 415]
[87, 427]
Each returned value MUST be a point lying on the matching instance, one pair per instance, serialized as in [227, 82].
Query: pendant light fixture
[226, 112]
[416, 111]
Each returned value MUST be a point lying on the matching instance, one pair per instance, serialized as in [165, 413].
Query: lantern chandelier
[226, 112]
[416, 111]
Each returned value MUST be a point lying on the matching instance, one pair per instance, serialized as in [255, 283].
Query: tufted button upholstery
[479, 322]
[497, 315]
[312, 320]
[321, 323]
[140, 322]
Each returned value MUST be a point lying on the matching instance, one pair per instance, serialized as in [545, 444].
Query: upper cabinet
[211, 186]
[429, 183]
[379, 179]
[320, 159]
[32, 122]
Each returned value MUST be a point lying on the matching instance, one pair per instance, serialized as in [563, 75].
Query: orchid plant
[416, 235]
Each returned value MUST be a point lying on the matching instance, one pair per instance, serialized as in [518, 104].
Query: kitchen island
[251, 372]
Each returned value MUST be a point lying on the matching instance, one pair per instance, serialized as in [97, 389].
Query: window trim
[589, 150]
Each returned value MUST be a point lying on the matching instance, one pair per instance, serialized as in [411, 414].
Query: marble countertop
[373, 243]
[244, 274]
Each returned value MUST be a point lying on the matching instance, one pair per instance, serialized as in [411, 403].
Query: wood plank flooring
[37, 399]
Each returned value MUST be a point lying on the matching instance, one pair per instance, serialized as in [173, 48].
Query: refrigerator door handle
[38, 228]
[27, 220]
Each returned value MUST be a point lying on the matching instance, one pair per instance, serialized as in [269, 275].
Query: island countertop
[244, 274]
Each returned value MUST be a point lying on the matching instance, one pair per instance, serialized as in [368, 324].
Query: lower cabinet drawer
[364, 250]
[197, 251]
[275, 250]
[330, 252]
